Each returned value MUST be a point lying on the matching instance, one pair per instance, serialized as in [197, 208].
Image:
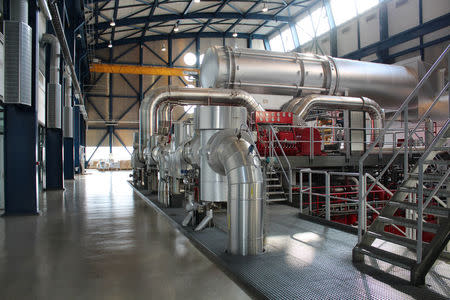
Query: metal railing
[420, 188]
[288, 175]
[404, 148]
[329, 193]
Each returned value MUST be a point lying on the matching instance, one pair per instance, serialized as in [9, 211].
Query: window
[364, 5]
[190, 59]
[343, 10]
[276, 44]
[118, 153]
[305, 30]
[320, 21]
[288, 41]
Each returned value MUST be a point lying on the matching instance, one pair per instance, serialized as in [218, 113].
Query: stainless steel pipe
[19, 11]
[148, 116]
[233, 156]
[55, 54]
[295, 74]
[303, 105]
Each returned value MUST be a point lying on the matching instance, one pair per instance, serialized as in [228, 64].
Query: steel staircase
[421, 202]
[436, 185]
[274, 187]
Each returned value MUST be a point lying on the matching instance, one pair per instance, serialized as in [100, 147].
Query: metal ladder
[427, 253]
[274, 188]
[423, 184]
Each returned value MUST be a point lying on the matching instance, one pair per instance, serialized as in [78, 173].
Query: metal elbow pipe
[302, 106]
[234, 157]
[148, 112]
[54, 56]
[67, 88]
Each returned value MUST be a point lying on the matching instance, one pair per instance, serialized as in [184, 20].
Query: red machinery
[294, 141]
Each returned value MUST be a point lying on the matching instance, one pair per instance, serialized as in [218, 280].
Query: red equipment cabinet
[304, 146]
[294, 141]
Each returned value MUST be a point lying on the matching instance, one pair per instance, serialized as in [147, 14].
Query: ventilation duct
[18, 50]
[68, 110]
[2, 68]
[53, 87]
[58, 26]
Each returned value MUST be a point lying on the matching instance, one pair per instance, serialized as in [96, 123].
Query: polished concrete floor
[98, 240]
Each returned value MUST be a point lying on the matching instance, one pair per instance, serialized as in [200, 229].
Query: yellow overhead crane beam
[142, 70]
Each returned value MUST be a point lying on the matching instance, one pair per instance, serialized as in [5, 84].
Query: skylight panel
[343, 10]
[305, 30]
[288, 40]
[276, 44]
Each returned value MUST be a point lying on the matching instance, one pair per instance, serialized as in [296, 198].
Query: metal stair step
[276, 200]
[426, 192]
[273, 185]
[429, 227]
[427, 177]
[271, 172]
[272, 179]
[393, 238]
[437, 162]
[441, 149]
[275, 193]
[432, 210]
[386, 256]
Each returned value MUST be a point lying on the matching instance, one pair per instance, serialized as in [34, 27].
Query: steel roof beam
[172, 17]
[244, 15]
[150, 15]
[113, 30]
[294, 17]
[181, 36]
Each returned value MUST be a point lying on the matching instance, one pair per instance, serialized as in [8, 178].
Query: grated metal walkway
[305, 260]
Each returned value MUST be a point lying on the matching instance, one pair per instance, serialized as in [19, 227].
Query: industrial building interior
[233, 149]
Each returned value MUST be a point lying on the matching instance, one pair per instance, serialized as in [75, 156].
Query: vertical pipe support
[290, 185]
[327, 196]
[310, 192]
[361, 202]
[419, 214]
[301, 192]
[406, 143]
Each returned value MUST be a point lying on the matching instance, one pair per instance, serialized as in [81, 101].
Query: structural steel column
[21, 142]
[53, 139]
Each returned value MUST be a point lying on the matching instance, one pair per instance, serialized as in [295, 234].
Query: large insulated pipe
[59, 30]
[233, 155]
[302, 106]
[295, 74]
[68, 110]
[54, 86]
[55, 53]
[19, 11]
[148, 124]
[67, 88]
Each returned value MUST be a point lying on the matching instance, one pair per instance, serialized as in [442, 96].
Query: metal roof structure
[132, 21]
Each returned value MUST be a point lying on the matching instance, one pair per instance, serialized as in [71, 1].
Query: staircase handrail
[420, 203]
[408, 134]
[287, 176]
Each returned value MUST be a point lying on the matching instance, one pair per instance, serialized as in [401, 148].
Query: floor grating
[305, 260]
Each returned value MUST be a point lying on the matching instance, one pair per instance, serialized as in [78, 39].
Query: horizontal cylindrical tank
[266, 72]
